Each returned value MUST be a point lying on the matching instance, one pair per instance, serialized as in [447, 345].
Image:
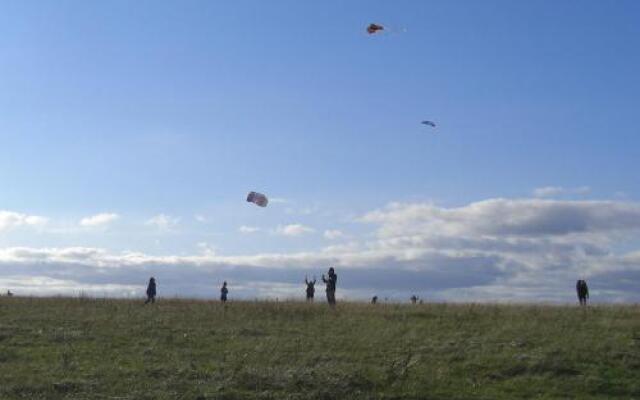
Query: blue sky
[161, 116]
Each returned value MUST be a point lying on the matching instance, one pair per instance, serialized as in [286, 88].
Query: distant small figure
[414, 299]
[9, 294]
[331, 282]
[223, 292]
[151, 291]
[311, 288]
[583, 291]
[421, 302]
[374, 300]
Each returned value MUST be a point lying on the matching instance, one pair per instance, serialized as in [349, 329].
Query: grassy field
[182, 349]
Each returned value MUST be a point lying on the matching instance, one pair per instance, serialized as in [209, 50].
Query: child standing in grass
[310, 288]
[151, 291]
[223, 292]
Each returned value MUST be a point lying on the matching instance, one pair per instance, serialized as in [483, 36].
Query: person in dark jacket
[311, 288]
[331, 282]
[151, 291]
[374, 300]
[583, 291]
[223, 292]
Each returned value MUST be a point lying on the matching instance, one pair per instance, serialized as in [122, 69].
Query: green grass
[181, 349]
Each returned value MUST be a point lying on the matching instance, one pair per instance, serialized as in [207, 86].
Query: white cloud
[163, 222]
[248, 229]
[525, 217]
[10, 220]
[34, 220]
[333, 234]
[552, 191]
[200, 218]
[101, 219]
[293, 230]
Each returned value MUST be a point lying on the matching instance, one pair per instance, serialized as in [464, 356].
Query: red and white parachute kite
[258, 199]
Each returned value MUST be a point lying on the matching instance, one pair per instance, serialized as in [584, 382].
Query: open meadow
[64, 348]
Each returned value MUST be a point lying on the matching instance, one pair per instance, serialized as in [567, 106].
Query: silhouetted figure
[374, 299]
[331, 282]
[151, 291]
[583, 292]
[9, 294]
[414, 299]
[223, 292]
[311, 288]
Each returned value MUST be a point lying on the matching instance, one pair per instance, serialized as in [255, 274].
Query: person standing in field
[331, 282]
[311, 288]
[583, 291]
[151, 291]
[223, 292]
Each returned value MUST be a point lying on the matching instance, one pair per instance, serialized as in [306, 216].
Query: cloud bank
[491, 250]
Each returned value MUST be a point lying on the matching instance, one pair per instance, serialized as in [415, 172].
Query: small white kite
[372, 29]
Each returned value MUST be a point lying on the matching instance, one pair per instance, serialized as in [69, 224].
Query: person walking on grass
[151, 291]
[223, 292]
[311, 288]
[331, 282]
[583, 291]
